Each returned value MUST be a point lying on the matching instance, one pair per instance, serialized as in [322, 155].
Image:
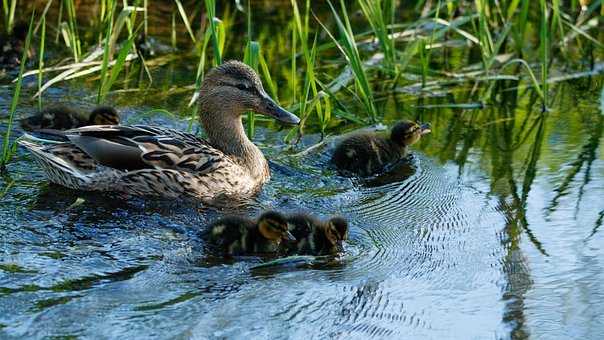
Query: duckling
[366, 154]
[235, 235]
[156, 161]
[315, 237]
[11, 46]
[61, 117]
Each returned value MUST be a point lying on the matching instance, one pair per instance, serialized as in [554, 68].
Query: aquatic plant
[7, 148]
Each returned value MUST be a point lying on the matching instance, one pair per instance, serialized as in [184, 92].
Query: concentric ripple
[423, 249]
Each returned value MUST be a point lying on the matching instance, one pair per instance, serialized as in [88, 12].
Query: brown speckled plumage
[146, 160]
[367, 154]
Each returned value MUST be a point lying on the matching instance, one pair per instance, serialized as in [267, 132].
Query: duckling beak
[289, 237]
[272, 109]
[426, 128]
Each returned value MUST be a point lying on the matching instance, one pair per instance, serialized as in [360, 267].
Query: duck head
[273, 226]
[234, 88]
[336, 231]
[406, 133]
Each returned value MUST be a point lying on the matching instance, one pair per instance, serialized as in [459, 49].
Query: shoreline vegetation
[328, 72]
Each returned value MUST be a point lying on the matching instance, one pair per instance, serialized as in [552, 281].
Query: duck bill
[272, 109]
[289, 237]
[426, 128]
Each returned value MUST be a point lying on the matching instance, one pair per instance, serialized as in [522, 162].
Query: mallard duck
[235, 235]
[366, 154]
[150, 160]
[316, 237]
[61, 117]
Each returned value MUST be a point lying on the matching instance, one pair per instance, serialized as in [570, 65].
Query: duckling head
[234, 88]
[406, 133]
[273, 226]
[336, 231]
[104, 115]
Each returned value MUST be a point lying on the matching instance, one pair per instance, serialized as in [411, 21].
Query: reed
[211, 11]
[251, 58]
[376, 15]
[544, 50]
[41, 58]
[8, 8]
[330, 70]
[8, 149]
[69, 30]
[348, 47]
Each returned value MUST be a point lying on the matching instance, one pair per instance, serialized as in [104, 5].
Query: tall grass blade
[251, 58]
[185, 20]
[348, 47]
[374, 13]
[41, 58]
[6, 147]
[211, 10]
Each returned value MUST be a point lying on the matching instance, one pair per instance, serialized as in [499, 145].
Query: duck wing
[144, 147]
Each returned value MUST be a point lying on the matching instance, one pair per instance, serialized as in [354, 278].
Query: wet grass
[8, 148]
[340, 62]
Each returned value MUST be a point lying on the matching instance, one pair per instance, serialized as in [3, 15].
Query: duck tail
[58, 169]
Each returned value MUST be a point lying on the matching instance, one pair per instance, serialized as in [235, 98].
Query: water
[492, 229]
[445, 249]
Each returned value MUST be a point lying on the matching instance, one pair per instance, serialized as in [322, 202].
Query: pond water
[492, 229]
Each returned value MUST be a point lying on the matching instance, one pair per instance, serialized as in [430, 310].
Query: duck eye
[243, 87]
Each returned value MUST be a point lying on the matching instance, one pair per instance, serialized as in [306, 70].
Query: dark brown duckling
[235, 235]
[61, 117]
[315, 237]
[11, 46]
[366, 154]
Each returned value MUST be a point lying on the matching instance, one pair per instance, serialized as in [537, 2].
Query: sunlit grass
[337, 69]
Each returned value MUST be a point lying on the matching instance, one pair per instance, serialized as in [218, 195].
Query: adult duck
[148, 160]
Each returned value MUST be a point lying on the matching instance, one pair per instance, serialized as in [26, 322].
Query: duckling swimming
[235, 235]
[315, 237]
[366, 154]
[61, 117]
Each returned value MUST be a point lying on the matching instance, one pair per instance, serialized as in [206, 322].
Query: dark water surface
[492, 229]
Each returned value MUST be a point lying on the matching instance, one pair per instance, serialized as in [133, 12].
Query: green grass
[341, 68]
[9, 7]
[41, 59]
[349, 49]
[7, 148]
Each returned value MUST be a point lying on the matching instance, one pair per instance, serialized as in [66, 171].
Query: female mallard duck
[147, 160]
[61, 117]
[315, 237]
[236, 235]
[365, 154]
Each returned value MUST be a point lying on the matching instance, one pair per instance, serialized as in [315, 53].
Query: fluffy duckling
[315, 237]
[11, 46]
[236, 235]
[366, 154]
[61, 117]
